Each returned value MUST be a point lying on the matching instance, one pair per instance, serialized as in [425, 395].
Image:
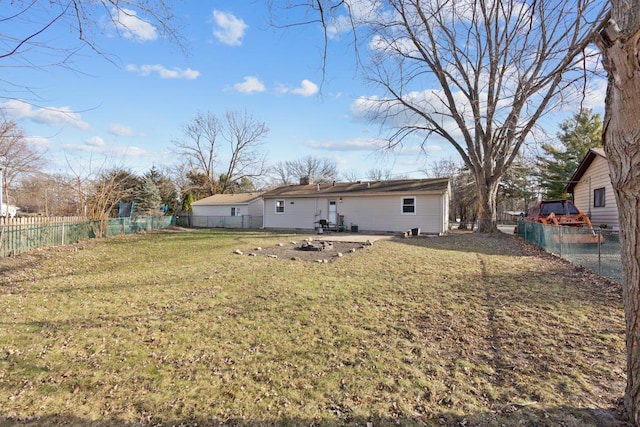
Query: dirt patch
[293, 251]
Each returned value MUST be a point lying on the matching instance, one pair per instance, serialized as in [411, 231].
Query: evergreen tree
[167, 188]
[518, 187]
[187, 200]
[147, 197]
[577, 135]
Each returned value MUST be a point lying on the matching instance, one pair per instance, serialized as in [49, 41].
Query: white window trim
[402, 205]
[284, 209]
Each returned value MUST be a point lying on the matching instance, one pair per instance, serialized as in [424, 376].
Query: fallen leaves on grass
[174, 329]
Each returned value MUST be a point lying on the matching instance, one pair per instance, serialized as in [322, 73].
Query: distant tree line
[234, 145]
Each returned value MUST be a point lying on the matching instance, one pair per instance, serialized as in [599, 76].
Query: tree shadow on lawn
[510, 415]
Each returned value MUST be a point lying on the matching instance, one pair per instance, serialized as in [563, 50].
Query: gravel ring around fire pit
[291, 251]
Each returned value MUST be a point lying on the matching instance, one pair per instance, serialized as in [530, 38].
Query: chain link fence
[16, 239]
[187, 219]
[596, 250]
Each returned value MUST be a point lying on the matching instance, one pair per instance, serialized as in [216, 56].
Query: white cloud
[372, 145]
[307, 88]
[96, 145]
[131, 27]
[52, 116]
[229, 29]
[121, 130]
[357, 13]
[163, 72]
[593, 96]
[250, 84]
[355, 144]
[95, 141]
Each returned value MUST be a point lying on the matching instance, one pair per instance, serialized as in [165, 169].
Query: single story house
[377, 206]
[592, 190]
[243, 210]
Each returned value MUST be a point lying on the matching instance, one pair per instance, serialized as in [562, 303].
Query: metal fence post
[560, 241]
[599, 236]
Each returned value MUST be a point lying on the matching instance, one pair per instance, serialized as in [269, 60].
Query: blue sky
[129, 106]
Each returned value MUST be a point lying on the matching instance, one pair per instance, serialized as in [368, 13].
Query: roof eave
[580, 170]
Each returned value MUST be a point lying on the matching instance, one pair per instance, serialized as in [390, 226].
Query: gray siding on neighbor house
[218, 215]
[369, 213]
[597, 176]
[253, 208]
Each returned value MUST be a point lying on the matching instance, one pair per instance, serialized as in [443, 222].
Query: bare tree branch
[477, 74]
[245, 136]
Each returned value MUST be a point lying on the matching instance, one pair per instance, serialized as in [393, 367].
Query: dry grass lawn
[172, 328]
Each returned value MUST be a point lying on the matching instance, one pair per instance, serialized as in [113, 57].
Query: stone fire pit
[316, 246]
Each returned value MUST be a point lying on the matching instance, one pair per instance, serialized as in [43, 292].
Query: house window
[408, 205]
[235, 211]
[279, 206]
[598, 197]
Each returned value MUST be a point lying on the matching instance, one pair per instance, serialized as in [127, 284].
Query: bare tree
[47, 194]
[20, 158]
[463, 199]
[26, 43]
[377, 174]
[351, 175]
[245, 136]
[202, 149]
[476, 74]
[315, 168]
[281, 174]
[98, 189]
[618, 42]
[198, 149]
[442, 168]
[107, 189]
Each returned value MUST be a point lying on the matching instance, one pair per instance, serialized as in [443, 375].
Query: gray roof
[227, 199]
[362, 188]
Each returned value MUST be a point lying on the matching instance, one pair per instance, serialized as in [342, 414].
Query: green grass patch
[173, 328]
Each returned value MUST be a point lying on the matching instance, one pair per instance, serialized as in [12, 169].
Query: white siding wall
[298, 213]
[444, 200]
[370, 213]
[219, 210]
[254, 209]
[384, 213]
[597, 176]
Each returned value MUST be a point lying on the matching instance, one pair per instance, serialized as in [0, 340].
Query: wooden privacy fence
[16, 238]
[37, 220]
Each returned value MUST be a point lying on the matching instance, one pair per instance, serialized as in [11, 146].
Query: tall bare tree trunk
[619, 43]
[487, 204]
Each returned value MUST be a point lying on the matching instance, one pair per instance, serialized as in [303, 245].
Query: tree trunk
[621, 140]
[487, 205]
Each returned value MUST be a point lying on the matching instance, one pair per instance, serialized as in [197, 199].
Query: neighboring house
[242, 210]
[381, 206]
[592, 190]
